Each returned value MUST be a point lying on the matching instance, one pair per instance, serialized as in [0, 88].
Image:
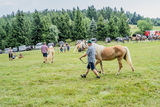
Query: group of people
[90, 53]
[64, 48]
[48, 53]
[45, 51]
[13, 55]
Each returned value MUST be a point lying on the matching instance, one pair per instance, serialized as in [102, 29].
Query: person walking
[91, 60]
[44, 50]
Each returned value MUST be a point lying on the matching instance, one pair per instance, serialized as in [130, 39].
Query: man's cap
[89, 41]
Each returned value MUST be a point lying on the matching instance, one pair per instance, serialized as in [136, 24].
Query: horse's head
[81, 46]
[50, 46]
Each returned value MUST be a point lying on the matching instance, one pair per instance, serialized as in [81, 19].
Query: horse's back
[110, 53]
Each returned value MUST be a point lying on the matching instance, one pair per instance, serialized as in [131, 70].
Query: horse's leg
[75, 48]
[120, 65]
[52, 57]
[97, 62]
[102, 67]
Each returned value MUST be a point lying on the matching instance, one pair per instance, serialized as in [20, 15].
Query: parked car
[94, 40]
[6, 50]
[61, 43]
[108, 40]
[22, 48]
[38, 45]
[0, 51]
[28, 48]
[15, 49]
[119, 39]
[51, 44]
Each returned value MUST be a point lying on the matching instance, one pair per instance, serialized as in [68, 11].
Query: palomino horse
[110, 53]
[80, 46]
[51, 53]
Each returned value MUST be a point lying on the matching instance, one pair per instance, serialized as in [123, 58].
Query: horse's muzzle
[80, 49]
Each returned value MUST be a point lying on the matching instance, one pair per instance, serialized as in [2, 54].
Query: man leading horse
[110, 53]
[91, 52]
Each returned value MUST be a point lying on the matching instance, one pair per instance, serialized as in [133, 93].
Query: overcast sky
[147, 8]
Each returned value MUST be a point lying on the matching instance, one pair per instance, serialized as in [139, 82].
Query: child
[61, 48]
[20, 56]
[14, 56]
[65, 47]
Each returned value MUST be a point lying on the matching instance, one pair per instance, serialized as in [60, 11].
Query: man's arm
[83, 55]
[47, 48]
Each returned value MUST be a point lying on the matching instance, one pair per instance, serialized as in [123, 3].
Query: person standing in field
[91, 60]
[44, 50]
[67, 47]
[10, 54]
[61, 48]
[14, 56]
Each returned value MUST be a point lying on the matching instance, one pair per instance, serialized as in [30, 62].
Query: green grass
[29, 83]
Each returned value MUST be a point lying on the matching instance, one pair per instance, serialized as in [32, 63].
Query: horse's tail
[127, 57]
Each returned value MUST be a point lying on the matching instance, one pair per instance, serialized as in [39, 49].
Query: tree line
[26, 28]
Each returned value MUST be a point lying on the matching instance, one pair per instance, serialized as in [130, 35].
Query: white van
[22, 48]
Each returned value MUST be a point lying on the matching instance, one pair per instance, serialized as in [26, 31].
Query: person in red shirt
[44, 50]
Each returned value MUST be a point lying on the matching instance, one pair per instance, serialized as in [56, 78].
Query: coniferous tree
[87, 22]
[53, 34]
[18, 34]
[112, 28]
[93, 29]
[46, 23]
[79, 27]
[37, 28]
[123, 26]
[63, 24]
[101, 30]
[2, 38]
[92, 13]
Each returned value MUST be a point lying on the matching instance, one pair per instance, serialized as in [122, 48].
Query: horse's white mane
[99, 48]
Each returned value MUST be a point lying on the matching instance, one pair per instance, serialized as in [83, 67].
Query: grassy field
[134, 28]
[29, 83]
